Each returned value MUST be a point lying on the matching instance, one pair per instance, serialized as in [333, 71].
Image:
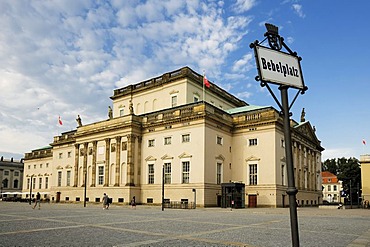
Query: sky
[65, 57]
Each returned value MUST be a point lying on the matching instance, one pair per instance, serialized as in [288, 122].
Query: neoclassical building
[365, 179]
[196, 138]
[11, 177]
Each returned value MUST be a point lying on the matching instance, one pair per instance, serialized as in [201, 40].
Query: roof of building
[245, 109]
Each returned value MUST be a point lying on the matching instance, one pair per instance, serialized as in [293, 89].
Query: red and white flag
[60, 121]
[206, 82]
[363, 141]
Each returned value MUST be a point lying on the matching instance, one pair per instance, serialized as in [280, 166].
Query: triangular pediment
[150, 158]
[252, 158]
[185, 155]
[59, 167]
[166, 157]
[68, 167]
[305, 129]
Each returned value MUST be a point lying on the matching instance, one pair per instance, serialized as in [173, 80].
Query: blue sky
[66, 58]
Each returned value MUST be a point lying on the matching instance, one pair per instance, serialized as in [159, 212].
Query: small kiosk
[233, 195]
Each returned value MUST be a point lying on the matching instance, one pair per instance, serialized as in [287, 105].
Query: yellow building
[365, 177]
[163, 125]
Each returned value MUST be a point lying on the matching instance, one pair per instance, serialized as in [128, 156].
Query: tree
[330, 166]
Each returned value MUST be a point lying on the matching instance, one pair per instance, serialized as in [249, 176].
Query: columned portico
[130, 160]
[118, 160]
[77, 149]
[107, 158]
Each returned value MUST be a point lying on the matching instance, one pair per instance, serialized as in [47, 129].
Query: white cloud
[298, 9]
[242, 6]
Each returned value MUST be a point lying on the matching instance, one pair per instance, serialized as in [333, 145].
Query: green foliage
[347, 170]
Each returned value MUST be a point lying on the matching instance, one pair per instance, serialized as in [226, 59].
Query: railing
[179, 205]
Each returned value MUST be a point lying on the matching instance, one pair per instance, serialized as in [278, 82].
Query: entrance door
[58, 197]
[252, 201]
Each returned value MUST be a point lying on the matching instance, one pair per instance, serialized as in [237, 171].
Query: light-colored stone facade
[11, 177]
[164, 123]
[332, 187]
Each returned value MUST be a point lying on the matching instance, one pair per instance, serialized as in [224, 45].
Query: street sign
[278, 67]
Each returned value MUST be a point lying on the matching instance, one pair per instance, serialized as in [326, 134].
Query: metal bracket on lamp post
[271, 72]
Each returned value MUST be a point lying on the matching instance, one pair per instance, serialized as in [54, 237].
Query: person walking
[133, 202]
[105, 201]
[38, 200]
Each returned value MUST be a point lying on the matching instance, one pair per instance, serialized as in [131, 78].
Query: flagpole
[204, 94]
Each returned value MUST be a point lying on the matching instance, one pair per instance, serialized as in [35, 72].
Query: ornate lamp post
[284, 70]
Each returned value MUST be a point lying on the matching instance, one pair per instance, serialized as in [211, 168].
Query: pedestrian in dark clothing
[38, 200]
[133, 202]
[105, 201]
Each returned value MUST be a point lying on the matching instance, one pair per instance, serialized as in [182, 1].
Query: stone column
[86, 144]
[139, 139]
[93, 170]
[107, 161]
[130, 160]
[77, 153]
[118, 160]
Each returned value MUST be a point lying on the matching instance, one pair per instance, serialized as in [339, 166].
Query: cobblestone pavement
[74, 225]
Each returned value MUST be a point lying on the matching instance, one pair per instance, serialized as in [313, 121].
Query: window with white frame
[33, 183]
[151, 143]
[186, 138]
[167, 173]
[40, 183]
[329, 188]
[150, 173]
[167, 140]
[59, 178]
[253, 174]
[219, 140]
[60, 155]
[68, 178]
[219, 173]
[253, 142]
[28, 183]
[185, 172]
[174, 101]
[334, 188]
[46, 182]
[121, 112]
[195, 98]
[69, 154]
[100, 175]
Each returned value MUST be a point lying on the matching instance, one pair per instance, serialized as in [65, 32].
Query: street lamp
[162, 187]
[85, 189]
[31, 189]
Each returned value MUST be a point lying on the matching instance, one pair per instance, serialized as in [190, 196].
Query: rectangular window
[151, 143]
[40, 183]
[185, 172]
[69, 154]
[46, 182]
[16, 173]
[6, 173]
[28, 183]
[282, 143]
[329, 188]
[186, 138]
[150, 173]
[174, 101]
[253, 174]
[40, 166]
[334, 188]
[100, 175]
[219, 140]
[60, 155]
[196, 98]
[253, 142]
[59, 179]
[167, 173]
[33, 183]
[219, 173]
[167, 140]
[121, 112]
[47, 165]
[68, 178]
